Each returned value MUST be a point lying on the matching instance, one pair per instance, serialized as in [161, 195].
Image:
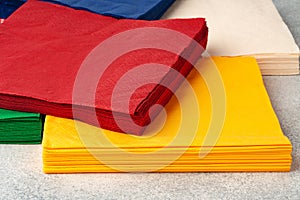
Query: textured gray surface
[290, 13]
[22, 178]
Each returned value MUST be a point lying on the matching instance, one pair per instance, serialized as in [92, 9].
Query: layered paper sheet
[63, 62]
[142, 9]
[240, 28]
[20, 127]
[249, 137]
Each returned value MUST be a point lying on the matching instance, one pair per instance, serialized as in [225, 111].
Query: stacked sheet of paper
[250, 139]
[240, 28]
[20, 128]
[59, 61]
[142, 9]
[7, 7]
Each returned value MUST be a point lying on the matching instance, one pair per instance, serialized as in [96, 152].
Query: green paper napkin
[20, 127]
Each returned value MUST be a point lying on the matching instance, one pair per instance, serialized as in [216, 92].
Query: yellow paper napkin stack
[237, 132]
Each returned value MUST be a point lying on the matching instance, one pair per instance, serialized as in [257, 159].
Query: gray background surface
[21, 176]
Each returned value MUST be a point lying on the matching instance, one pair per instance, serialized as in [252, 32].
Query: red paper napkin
[49, 63]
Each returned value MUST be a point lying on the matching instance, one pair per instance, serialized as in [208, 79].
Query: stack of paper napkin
[245, 28]
[142, 9]
[20, 127]
[67, 63]
[239, 133]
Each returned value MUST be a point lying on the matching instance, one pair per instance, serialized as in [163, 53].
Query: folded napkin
[20, 127]
[142, 9]
[7, 7]
[50, 62]
[245, 28]
[250, 139]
